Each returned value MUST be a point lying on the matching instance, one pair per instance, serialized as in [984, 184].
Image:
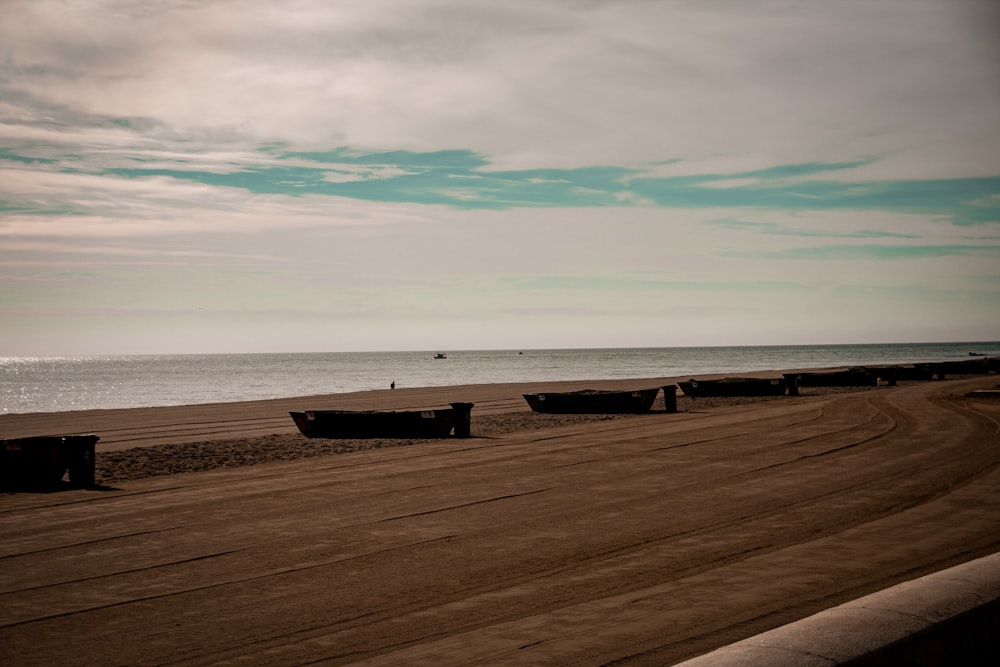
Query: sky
[202, 176]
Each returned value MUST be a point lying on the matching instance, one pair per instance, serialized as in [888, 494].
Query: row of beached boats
[44, 460]
[442, 422]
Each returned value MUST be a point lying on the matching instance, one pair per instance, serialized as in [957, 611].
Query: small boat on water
[593, 401]
[435, 423]
[734, 387]
[42, 461]
[440, 355]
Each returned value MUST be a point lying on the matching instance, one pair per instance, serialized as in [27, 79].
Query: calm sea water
[52, 384]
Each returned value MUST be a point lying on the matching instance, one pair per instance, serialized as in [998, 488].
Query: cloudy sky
[314, 175]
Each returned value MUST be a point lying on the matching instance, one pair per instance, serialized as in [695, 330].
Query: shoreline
[12, 421]
[121, 428]
[139, 443]
[74, 384]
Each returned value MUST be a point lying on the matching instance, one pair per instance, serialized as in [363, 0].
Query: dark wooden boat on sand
[593, 401]
[852, 377]
[901, 372]
[434, 423]
[42, 461]
[729, 387]
[978, 366]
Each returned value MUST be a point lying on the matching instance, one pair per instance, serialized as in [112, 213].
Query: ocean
[55, 384]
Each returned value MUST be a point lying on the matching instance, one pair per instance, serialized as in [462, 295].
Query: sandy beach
[219, 535]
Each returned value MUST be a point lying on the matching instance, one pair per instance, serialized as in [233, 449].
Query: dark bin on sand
[463, 419]
[41, 461]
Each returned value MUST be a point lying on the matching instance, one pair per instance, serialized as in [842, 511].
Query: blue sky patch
[462, 179]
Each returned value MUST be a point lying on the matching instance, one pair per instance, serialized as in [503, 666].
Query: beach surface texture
[218, 534]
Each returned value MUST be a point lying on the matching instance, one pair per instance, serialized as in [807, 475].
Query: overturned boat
[729, 387]
[593, 401]
[435, 423]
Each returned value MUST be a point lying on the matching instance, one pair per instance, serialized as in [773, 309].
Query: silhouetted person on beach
[392, 385]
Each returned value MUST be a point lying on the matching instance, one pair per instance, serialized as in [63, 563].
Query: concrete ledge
[950, 617]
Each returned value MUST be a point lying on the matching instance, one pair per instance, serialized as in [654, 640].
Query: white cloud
[101, 206]
[537, 83]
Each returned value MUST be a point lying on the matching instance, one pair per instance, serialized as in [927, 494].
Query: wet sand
[542, 540]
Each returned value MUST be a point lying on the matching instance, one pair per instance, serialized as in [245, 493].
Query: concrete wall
[948, 618]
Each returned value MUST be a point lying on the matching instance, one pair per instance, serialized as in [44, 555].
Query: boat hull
[591, 401]
[976, 366]
[905, 372]
[855, 377]
[731, 387]
[373, 424]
